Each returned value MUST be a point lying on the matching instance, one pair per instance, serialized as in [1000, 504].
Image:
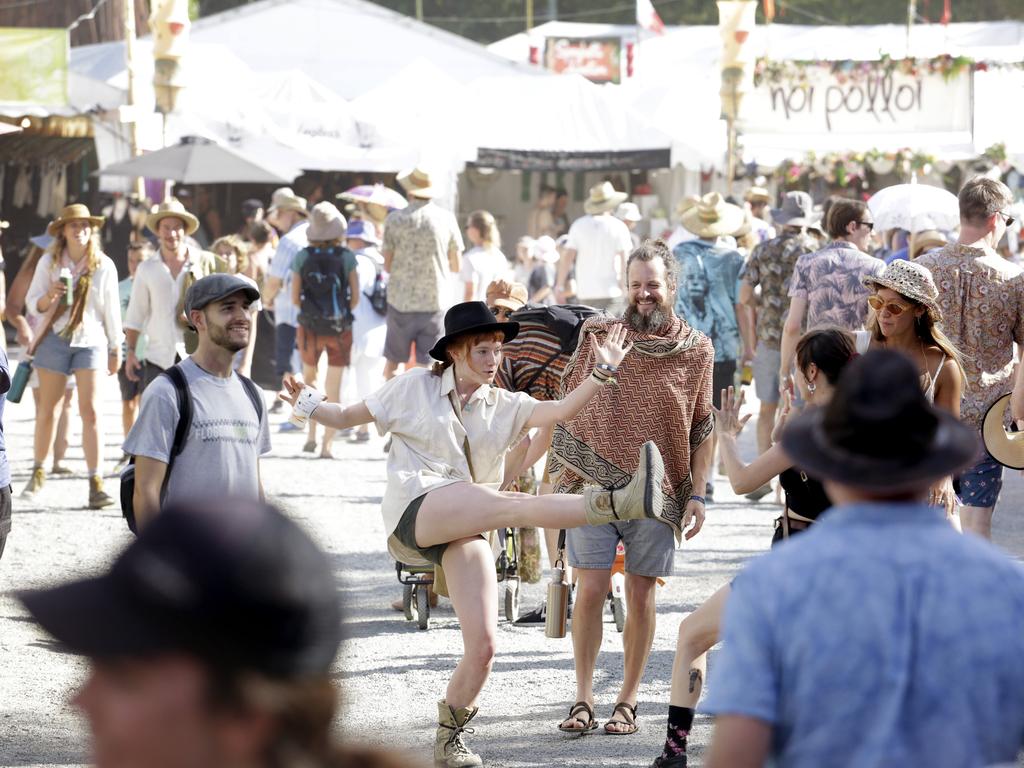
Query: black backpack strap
[184, 396]
[255, 396]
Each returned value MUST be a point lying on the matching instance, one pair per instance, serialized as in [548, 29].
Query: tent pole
[133, 125]
[529, 15]
[419, 10]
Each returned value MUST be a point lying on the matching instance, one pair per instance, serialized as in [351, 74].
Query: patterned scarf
[81, 292]
[663, 394]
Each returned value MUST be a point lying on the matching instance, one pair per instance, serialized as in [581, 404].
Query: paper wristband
[307, 402]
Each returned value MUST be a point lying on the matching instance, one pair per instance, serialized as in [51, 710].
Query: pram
[416, 578]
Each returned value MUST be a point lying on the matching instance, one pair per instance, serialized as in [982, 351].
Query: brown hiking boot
[98, 499]
[35, 483]
[643, 497]
[449, 749]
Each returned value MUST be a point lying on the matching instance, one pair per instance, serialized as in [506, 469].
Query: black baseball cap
[235, 583]
[215, 287]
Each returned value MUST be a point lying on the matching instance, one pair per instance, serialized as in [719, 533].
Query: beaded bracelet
[701, 499]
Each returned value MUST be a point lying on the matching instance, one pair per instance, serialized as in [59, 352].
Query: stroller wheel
[409, 602]
[423, 606]
[512, 600]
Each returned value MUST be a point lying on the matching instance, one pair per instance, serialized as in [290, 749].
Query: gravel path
[390, 672]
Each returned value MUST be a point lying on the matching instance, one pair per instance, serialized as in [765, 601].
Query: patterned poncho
[663, 394]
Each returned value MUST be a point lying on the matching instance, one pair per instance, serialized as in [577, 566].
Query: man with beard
[227, 430]
[664, 384]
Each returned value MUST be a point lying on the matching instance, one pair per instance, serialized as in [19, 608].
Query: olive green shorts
[406, 533]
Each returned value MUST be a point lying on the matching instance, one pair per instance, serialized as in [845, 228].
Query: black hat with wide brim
[879, 432]
[470, 317]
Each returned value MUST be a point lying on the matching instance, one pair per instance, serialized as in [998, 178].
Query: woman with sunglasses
[821, 356]
[906, 317]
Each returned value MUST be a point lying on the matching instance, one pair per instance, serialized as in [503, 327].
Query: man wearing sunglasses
[981, 296]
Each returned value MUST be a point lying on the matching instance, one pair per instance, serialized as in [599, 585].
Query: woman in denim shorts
[85, 337]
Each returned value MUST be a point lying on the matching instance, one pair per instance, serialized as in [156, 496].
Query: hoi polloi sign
[875, 101]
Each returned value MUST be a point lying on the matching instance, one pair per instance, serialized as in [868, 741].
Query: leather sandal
[628, 714]
[574, 715]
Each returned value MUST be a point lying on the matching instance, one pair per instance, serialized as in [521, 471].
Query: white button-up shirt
[153, 309]
[101, 321]
[427, 435]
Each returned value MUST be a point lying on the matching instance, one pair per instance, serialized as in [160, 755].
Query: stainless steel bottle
[558, 604]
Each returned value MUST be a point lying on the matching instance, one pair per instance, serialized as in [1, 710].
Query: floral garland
[798, 72]
[846, 168]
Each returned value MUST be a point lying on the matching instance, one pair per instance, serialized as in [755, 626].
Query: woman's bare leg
[332, 388]
[92, 428]
[698, 632]
[60, 442]
[469, 570]
[463, 510]
[51, 392]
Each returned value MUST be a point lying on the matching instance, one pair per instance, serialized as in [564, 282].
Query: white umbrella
[915, 208]
[197, 161]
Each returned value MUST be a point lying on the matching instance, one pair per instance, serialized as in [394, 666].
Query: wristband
[612, 369]
[695, 497]
[307, 402]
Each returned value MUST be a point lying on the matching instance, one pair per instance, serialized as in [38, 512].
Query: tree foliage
[490, 20]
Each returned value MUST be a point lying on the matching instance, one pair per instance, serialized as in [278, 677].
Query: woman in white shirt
[84, 338]
[450, 432]
[484, 262]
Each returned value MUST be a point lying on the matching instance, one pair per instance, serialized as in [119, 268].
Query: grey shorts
[766, 372]
[404, 328]
[650, 547]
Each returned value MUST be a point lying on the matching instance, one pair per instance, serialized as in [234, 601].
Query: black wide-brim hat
[879, 432]
[470, 317]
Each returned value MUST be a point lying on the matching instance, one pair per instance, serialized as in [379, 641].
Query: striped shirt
[535, 354]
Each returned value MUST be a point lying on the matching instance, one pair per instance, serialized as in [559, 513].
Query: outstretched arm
[610, 353]
[329, 414]
[745, 478]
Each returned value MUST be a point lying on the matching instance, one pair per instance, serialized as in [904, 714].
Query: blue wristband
[701, 499]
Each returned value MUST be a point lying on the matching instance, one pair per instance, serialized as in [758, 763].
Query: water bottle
[69, 285]
[557, 604]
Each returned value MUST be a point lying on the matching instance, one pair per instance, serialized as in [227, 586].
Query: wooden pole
[129, 50]
[419, 10]
[529, 15]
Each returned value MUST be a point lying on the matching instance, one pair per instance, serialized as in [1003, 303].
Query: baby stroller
[416, 578]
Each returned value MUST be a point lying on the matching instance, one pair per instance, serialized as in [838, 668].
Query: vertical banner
[736, 20]
[34, 63]
[170, 24]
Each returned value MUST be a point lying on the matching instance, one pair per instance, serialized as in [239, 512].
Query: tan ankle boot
[641, 498]
[449, 749]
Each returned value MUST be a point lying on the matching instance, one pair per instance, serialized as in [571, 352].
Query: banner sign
[34, 63]
[875, 101]
[596, 58]
[525, 160]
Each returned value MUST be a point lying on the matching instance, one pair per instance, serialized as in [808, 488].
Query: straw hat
[603, 198]
[417, 183]
[628, 212]
[757, 195]
[286, 200]
[909, 279]
[926, 240]
[1005, 447]
[72, 213]
[171, 208]
[711, 216]
[502, 293]
[686, 204]
[325, 223]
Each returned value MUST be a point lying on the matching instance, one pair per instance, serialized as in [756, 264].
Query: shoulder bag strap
[255, 396]
[51, 317]
[184, 396]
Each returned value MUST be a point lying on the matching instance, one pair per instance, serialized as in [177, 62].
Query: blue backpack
[324, 308]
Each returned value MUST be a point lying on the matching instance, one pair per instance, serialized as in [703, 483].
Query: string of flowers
[796, 72]
[846, 168]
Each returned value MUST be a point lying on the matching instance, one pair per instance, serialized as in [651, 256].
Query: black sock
[680, 720]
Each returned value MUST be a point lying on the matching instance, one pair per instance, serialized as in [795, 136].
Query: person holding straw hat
[450, 433]
[75, 288]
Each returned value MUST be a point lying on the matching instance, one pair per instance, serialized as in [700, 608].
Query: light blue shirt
[708, 292]
[285, 312]
[879, 638]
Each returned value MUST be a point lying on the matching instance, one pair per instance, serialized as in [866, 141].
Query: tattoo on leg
[695, 678]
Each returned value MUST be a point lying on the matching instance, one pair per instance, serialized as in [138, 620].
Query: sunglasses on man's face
[1007, 218]
[877, 303]
[869, 224]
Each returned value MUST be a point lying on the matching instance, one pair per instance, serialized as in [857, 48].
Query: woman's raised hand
[784, 414]
[290, 389]
[614, 348]
[727, 418]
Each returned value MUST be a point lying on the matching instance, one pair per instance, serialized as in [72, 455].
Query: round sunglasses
[877, 303]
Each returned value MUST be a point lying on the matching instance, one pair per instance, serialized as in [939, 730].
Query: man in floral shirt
[770, 266]
[422, 243]
[982, 300]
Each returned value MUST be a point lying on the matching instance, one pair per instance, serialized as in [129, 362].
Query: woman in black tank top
[821, 355]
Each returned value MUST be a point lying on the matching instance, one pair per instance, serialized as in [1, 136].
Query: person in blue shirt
[881, 636]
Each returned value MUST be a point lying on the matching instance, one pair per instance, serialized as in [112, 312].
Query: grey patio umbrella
[197, 160]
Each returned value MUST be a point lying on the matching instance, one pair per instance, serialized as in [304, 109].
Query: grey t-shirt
[223, 446]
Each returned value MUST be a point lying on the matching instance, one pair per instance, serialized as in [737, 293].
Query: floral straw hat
[912, 280]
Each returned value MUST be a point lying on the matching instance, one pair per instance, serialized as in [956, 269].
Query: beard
[646, 323]
[219, 335]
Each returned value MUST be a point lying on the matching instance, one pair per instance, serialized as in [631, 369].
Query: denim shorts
[650, 547]
[56, 354]
[981, 483]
